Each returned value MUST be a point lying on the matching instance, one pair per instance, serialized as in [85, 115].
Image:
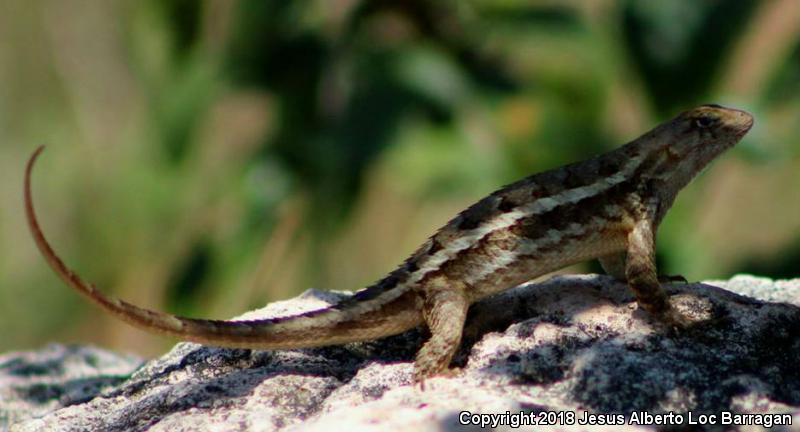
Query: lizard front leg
[444, 310]
[642, 277]
[614, 266]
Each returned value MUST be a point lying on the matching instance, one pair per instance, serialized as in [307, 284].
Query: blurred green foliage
[209, 156]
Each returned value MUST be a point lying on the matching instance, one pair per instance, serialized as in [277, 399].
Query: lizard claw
[677, 320]
[674, 319]
[420, 377]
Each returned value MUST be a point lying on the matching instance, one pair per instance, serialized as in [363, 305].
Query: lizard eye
[704, 122]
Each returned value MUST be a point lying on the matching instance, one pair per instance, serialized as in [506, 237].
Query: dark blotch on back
[530, 228]
[473, 216]
[599, 168]
[386, 284]
[606, 167]
[552, 182]
[515, 195]
[575, 178]
[507, 204]
[434, 247]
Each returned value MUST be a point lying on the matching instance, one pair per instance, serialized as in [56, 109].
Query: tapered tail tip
[33, 158]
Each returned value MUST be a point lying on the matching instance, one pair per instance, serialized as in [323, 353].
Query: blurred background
[208, 157]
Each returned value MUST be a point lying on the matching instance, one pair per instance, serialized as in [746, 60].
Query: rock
[35, 383]
[554, 351]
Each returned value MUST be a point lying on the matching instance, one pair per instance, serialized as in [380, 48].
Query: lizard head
[709, 129]
[681, 148]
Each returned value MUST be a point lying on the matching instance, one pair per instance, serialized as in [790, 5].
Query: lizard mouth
[744, 123]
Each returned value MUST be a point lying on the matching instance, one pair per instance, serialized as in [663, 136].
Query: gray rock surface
[555, 351]
[33, 384]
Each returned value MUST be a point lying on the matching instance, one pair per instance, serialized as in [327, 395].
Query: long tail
[328, 326]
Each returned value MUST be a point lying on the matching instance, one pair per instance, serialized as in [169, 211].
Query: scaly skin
[608, 207]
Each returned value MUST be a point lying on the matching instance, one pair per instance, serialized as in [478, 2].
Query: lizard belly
[530, 259]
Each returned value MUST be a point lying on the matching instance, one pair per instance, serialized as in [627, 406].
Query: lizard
[608, 207]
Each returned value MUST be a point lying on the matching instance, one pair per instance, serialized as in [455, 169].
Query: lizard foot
[446, 373]
[684, 311]
[423, 371]
[675, 319]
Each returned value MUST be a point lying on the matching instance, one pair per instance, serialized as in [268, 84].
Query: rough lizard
[607, 207]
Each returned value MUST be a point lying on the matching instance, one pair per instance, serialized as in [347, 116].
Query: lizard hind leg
[444, 312]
